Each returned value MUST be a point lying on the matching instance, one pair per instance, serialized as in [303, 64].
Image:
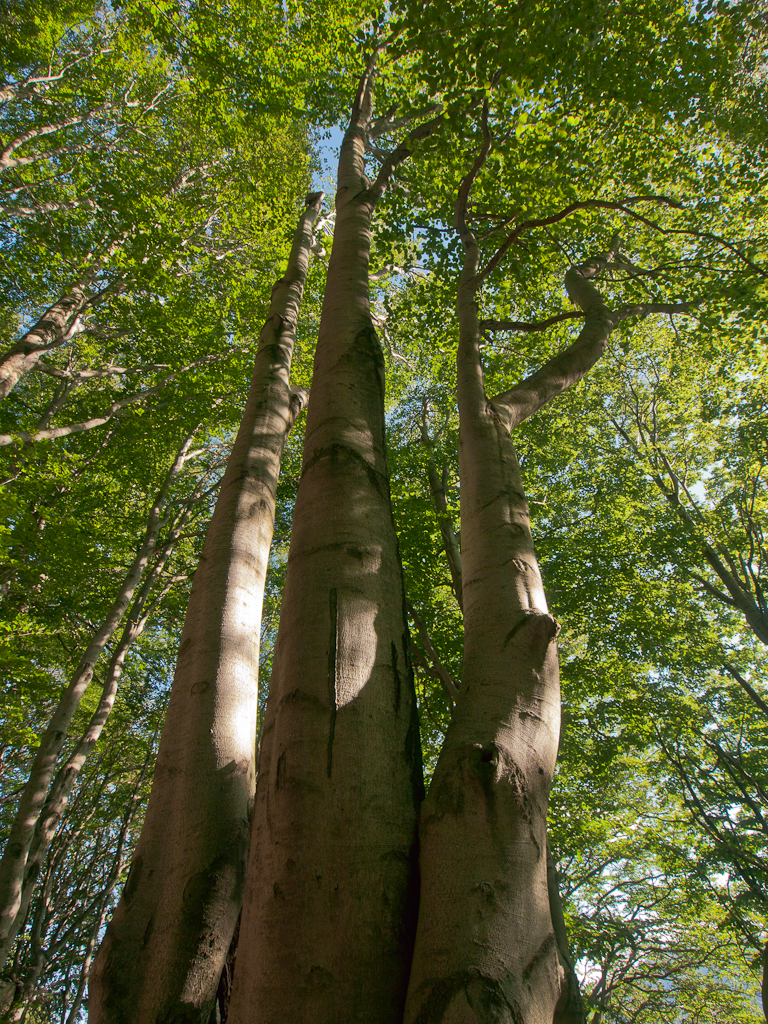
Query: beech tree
[115, 161]
[290, 860]
[488, 154]
[214, 699]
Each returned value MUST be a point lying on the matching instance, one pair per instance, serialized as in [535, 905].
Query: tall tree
[496, 766]
[115, 162]
[332, 864]
[165, 947]
[599, 111]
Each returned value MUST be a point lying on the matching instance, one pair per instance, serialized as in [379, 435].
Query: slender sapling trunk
[14, 861]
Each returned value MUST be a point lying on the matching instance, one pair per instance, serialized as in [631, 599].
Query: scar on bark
[541, 622]
[335, 451]
[484, 996]
[542, 954]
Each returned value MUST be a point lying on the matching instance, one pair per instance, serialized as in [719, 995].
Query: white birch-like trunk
[164, 950]
[326, 931]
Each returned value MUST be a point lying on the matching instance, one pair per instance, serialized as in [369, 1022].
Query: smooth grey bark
[486, 949]
[569, 1008]
[15, 856]
[164, 950]
[326, 933]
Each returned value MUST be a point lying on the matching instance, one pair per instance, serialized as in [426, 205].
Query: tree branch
[401, 153]
[568, 367]
[462, 201]
[747, 687]
[440, 671]
[529, 327]
[437, 489]
[585, 204]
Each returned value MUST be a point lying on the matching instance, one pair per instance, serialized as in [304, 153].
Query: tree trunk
[486, 951]
[54, 328]
[570, 1008]
[118, 862]
[61, 788]
[60, 322]
[14, 861]
[165, 947]
[437, 488]
[326, 933]
[485, 946]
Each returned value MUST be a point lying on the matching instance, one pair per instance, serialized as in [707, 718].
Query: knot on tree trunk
[541, 628]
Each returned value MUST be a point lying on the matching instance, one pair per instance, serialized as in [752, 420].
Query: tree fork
[164, 950]
[485, 946]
